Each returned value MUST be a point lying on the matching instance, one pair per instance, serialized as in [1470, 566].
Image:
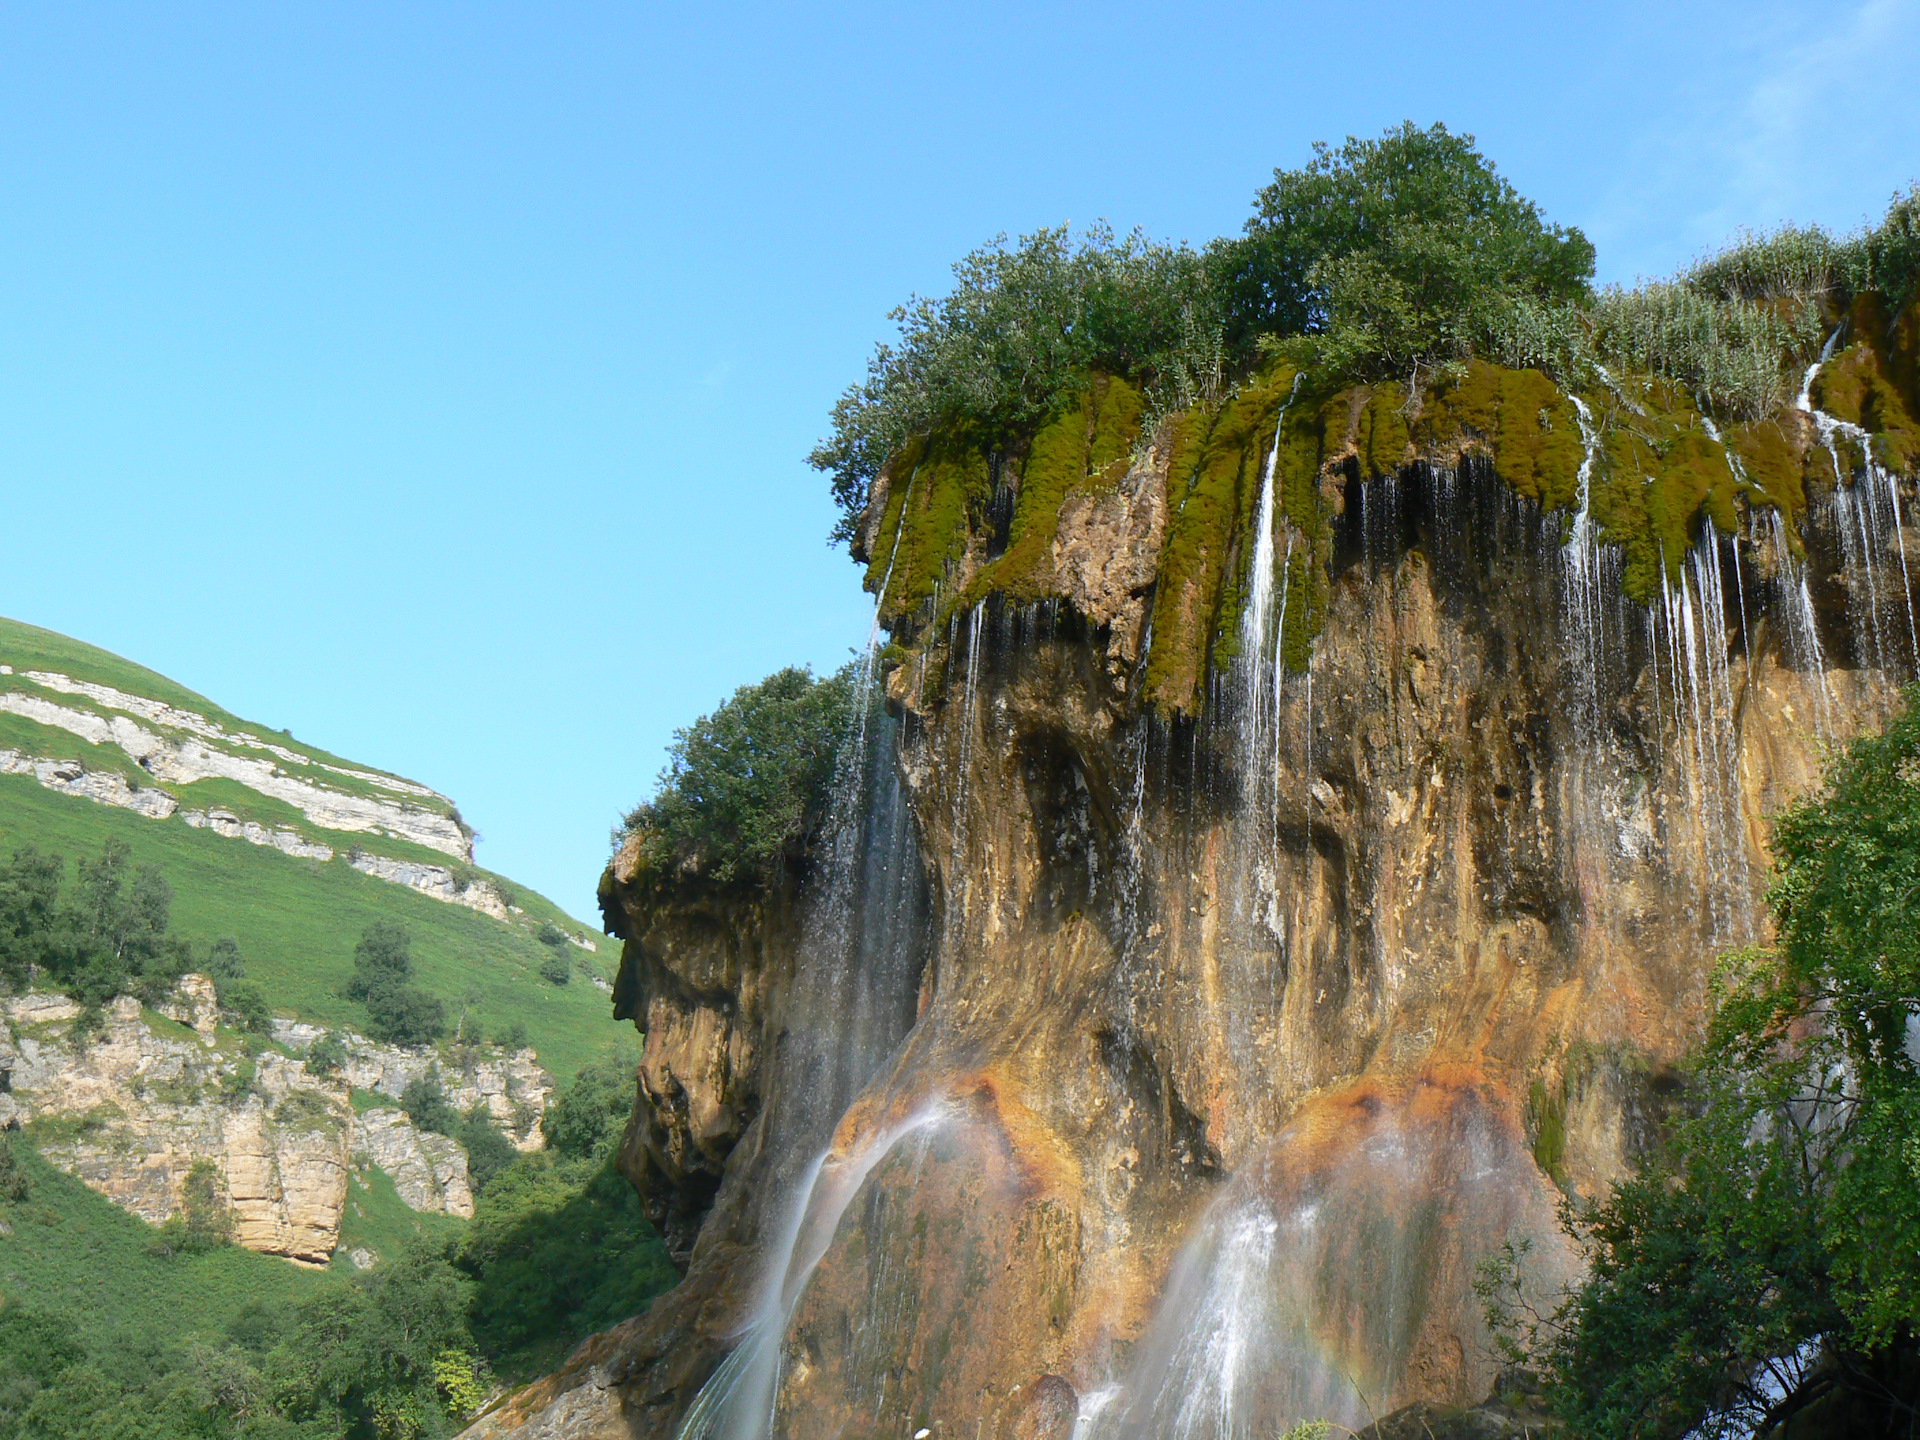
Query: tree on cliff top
[747, 781]
[1768, 1263]
[1393, 252]
[1380, 257]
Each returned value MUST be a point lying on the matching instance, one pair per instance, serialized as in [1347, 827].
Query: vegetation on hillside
[273, 907]
[747, 782]
[111, 1328]
[1766, 1264]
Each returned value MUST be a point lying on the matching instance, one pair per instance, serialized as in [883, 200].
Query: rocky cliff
[131, 1107]
[1312, 829]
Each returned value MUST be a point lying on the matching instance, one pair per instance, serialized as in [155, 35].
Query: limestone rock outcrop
[130, 1108]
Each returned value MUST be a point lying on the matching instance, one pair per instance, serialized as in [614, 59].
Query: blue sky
[436, 381]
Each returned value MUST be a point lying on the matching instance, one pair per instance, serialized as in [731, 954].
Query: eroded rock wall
[1243, 1037]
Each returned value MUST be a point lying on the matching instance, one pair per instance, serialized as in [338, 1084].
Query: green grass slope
[79, 1254]
[297, 920]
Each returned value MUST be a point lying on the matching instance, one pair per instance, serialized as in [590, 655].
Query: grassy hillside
[78, 1253]
[297, 920]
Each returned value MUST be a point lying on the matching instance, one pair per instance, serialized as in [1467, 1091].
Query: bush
[1023, 325]
[397, 1013]
[205, 1221]
[13, 1177]
[488, 1151]
[244, 1007]
[224, 961]
[556, 970]
[426, 1106]
[515, 1036]
[552, 934]
[558, 1249]
[326, 1054]
[590, 1116]
[745, 782]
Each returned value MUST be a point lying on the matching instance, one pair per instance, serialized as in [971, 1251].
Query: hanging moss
[943, 496]
[1855, 386]
[1519, 420]
[1658, 474]
[1212, 485]
[1382, 439]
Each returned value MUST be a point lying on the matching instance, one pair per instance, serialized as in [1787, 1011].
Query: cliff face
[129, 1109]
[1253, 1012]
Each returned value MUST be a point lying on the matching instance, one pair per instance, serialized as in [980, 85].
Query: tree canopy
[747, 781]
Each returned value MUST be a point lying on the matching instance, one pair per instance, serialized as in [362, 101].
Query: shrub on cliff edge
[747, 781]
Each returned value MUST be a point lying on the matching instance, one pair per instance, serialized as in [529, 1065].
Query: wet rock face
[1245, 1037]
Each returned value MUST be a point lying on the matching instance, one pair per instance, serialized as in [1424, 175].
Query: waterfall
[1255, 639]
[1867, 515]
[1583, 598]
[1691, 620]
[864, 937]
[737, 1402]
[1799, 623]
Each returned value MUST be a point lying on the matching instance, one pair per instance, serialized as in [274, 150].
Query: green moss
[1382, 438]
[1212, 485]
[945, 492]
[1659, 473]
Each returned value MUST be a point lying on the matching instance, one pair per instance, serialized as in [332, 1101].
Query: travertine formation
[1229, 1044]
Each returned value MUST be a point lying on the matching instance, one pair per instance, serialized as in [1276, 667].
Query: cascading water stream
[1584, 592]
[1255, 640]
[1868, 516]
[737, 1402]
[864, 936]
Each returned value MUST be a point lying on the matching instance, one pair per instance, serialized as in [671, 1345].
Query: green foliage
[397, 1013]
[1024, 325]
[1769, 1259]
[747, 781]
[103, 936]
[385, 1355]
[205, 1221]
[426, 1105]
[590, 1115]
[326, 1055]
[1394, 251]
[488, 1151]
[556, 969]
[13, 1175]
[558, 1249]
[551, 934]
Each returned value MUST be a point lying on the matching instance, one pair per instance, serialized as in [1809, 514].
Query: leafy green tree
[426, 1105]
[1393, 253]
[398, 1013]
[556, 970]
[1767, 1265]
[29, 906]
[326, 1055]
[488, 1151]
[590, 1115]
[746, 782]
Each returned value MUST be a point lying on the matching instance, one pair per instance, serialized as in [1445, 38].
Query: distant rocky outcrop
[130, 1107]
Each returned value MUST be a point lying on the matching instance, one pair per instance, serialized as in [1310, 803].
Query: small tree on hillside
[397, 1013]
